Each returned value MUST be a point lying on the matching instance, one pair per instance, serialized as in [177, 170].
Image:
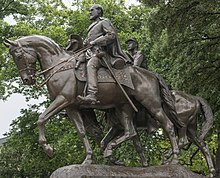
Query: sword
[117, 81]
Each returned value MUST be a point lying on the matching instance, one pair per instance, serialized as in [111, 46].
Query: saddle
[104, 75]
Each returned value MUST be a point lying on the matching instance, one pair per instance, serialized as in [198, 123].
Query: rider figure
[140, 60]
[137, 55]
[103, 39]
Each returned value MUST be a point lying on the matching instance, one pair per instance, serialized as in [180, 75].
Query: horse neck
[49, 59]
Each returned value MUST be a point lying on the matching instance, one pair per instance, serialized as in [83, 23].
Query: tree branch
[4, 9]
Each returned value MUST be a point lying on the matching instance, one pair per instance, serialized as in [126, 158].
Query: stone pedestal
[103, 171]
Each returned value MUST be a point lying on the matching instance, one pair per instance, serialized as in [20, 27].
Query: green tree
[9, 7]
[185, 49]
[21, 156]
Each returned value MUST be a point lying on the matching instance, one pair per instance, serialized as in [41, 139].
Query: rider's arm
[138, 59]
[108, 36]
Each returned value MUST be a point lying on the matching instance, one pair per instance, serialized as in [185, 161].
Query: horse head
[25, 59]
[26, 51]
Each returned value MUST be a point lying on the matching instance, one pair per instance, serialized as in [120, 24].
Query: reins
[77, 53]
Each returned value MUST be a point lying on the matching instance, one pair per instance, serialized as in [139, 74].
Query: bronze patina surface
[149, 90]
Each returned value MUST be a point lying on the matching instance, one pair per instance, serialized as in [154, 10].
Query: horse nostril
[33, 77]
[25, 81]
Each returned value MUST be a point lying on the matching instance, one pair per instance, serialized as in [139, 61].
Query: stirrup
[87, 99]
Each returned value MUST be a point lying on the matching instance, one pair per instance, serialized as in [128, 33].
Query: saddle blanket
[104, 75]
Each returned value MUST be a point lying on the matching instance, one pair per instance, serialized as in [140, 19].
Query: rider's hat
[131, 39]
[75, 43]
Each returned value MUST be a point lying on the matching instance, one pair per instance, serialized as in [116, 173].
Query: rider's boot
[88, 99]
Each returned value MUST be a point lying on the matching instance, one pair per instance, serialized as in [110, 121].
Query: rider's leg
[92, 67]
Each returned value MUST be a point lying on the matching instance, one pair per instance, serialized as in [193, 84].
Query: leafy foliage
[186, 35]
[186, 46]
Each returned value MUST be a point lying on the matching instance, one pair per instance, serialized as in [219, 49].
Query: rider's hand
[129, 62]
[99, 53]
[92, 43]
[77, 64]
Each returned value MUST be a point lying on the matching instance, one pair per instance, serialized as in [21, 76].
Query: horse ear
[9, 43]
[6, 44]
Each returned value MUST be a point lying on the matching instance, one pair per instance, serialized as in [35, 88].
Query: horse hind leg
[157, 112]
[139, 149]
[126, 120]
[57, 105]
[205, 150]
[182, 138]
[112, 134]
[76, 118]
[182, 141]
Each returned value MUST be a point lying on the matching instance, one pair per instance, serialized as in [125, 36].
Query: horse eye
[19, 56]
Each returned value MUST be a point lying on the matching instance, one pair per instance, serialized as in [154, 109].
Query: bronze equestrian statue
[58, 68]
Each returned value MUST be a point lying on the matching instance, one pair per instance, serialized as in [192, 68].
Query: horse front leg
[57, 105]
[183, 141]
[76, 118]
[168, 127]
[112, 134]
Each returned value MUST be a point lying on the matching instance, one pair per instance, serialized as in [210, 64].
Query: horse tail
[169, 103]
[208, 116]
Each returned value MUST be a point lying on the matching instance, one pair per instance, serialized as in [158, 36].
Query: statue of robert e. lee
[102, 38]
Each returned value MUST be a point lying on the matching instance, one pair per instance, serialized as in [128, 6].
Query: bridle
[27, 67]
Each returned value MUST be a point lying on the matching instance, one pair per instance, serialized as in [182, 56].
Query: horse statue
[188, 108]
[58, 68]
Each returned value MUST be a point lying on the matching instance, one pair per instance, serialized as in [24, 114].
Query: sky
[10, 109]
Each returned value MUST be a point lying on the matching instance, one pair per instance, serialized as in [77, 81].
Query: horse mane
[41, 41]
[168, 102]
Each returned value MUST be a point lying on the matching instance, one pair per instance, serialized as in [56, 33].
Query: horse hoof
[115, 161]
[174, 161]
[107, 153]
[165, 161]
[48, 150]
[212, 173]
[87, 162]
[145, 164]
[119, 163]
